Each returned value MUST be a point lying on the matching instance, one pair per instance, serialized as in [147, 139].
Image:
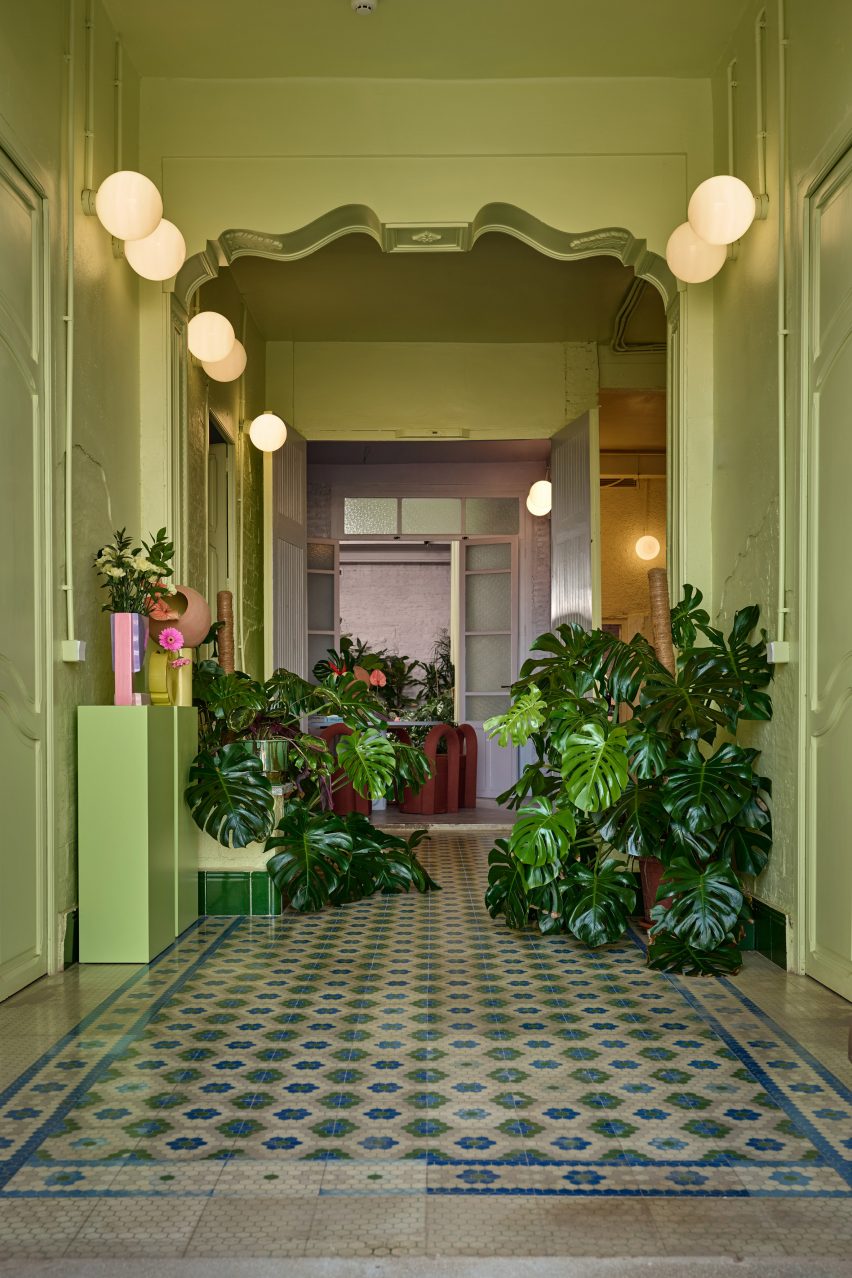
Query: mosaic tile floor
[350, 1067]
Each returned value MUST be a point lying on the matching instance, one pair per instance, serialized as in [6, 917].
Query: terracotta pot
[192, 616]
[651, 871]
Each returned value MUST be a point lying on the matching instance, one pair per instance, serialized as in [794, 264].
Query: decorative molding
[436, 237]
[625, 312]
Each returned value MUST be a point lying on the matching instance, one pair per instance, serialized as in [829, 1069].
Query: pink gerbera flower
[377, 679]
[171, 639]
[180, 661]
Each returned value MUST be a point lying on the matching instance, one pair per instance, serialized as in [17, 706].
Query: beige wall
[745, 474]
[626, 515]
[106, 409]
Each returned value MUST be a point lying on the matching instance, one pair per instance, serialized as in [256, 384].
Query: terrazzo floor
[407, 1077]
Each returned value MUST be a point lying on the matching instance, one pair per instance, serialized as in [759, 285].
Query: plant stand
[137, 842]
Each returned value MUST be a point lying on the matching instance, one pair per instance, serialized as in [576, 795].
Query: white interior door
[289, 500]
[323, 598]
[488, 651]
[575, 523]
[828, 614]
[23, 584]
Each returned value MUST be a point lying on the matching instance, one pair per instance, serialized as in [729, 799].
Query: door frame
[810, 190]
[43, 496]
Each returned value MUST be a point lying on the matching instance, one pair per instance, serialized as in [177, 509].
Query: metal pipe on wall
[68, 319]
[781, 624]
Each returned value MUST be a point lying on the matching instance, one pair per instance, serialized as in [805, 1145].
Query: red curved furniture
[441, 791]
[346, 798]
[468, 765]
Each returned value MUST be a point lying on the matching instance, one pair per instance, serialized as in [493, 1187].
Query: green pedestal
[135, 846]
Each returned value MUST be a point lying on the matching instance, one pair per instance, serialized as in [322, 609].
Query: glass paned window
[320, 555]
[488, 662]
[431, 515]
[365, 515]
[489, 601]
[498, 555]
[477, 709]
[491, 515]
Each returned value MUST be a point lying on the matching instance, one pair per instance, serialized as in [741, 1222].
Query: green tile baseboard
[237, 892]
[767, 934]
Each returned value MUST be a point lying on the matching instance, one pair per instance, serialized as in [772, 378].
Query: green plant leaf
[619, 666]
[506, 893]
[705, 904]
[700, 792]
[542, 833]
[741, 664]
[367, 757]
[229, 797]
[311, 852]
[635, 823]
[289, 696]
[649, 750]
[688, 618]
[526, 714]
[349, 699]
[606, 898]
[411, 769]
[667, 953]
[594, 766]
[694, 704]
[381, 862]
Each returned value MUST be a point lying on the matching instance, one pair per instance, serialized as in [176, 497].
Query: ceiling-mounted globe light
[160, 255]
[210, 337]
[229, 368]
[721, 209]
[364, 6]
[647, 547]
[128, 205]
[267, 432]
[692, 259]
[540, 497]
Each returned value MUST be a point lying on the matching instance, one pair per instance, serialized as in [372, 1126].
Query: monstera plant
[317, 858]
[632, 761]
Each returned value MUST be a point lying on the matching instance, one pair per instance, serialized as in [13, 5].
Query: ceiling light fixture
[160, 255]
[210, 337]
[268, 432]
[540, 497]
[364, 6]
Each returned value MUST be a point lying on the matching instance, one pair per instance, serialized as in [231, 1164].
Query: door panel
[829, 611]
[489, 642]
[289, 566]
[575, 523]
[323, 599]
[23, 585]
[219, 516]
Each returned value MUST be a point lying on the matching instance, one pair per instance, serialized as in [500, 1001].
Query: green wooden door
[23, 584]
[828, 615]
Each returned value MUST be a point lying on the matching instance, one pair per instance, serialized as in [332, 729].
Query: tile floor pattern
[407, 1074]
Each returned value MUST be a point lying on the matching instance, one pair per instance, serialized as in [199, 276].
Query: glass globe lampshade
[267, 432]
[721, 210]
[540, 497]
[210, 337]
[229, 368]
[160, 255]
[692, 259]
[647, 547]
[128, 205]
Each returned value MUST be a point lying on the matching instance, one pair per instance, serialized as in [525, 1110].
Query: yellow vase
[170, 686]
[158, 670]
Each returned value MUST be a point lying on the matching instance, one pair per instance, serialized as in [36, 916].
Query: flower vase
[179, 677]
[129, 634]
[158, 678]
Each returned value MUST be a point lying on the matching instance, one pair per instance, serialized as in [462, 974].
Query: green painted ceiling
[501, 291]
[436, 39]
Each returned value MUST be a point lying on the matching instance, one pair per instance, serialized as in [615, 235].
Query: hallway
[406, 1077]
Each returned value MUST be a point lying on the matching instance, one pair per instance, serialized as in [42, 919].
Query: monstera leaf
[649, 751]
[525, 716]
[748, 838]
[229, 796]
[367, 757]
[688, 618]
[705, 905]
[740, 664]
[594, 766]
[311, 852]
[536, 780]
[702, 792]
[621, 667]
[412, 769]
[381, 862]
[563, 667]
[689, 704]
[542, 833]
[289, 696]
[606, 897]
[667, 953]
[349, 699]
[636, 821]
[506, 893]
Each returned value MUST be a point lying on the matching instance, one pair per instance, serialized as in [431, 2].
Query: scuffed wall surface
[401, 607]
[626, 515]
[319, 509]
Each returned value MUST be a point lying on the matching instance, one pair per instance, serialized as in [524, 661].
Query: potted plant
[633, 761]
[134, 578]
[251, 733]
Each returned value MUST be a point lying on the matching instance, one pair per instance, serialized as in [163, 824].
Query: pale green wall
[234, 404]
[106, 411]
[745, 476]
[346, 390]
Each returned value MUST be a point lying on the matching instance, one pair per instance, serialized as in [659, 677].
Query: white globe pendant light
[647, 547]
[229, 368]
[721, 209]
[692, 259]
[128, 205]
[210, 337]
[160, 255]
[540, 497]
[267, 432]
